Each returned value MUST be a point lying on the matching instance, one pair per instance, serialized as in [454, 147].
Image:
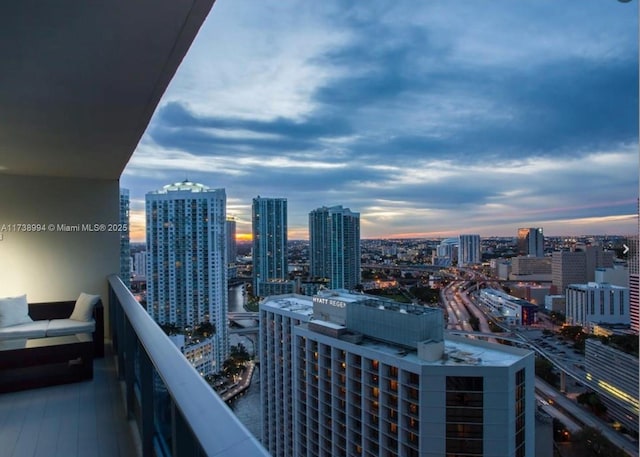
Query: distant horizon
[592, 235]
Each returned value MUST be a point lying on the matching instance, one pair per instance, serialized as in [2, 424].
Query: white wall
[55, 265]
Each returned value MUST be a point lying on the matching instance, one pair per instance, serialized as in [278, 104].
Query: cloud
[424, 118]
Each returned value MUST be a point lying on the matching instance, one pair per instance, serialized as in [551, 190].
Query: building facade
[514, 310]
[469, 250]
[531, 242]
[578, 266]
[199, 353]
[350, 374]
[634, 283]
[334, 246]
[446, 252]
[187, 261]
[613, 374]
[568, 267]
[531, 267]
[269, 227]
[232, 250]
[140, 265]
[596, 303]
[618, 275]
[125, 249]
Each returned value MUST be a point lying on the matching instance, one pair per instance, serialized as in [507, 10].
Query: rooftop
[458, 351]
[298, 304]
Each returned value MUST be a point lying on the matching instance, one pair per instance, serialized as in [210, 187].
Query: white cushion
[61, 327]
[83, 310]
[14, 311]
[33, 329]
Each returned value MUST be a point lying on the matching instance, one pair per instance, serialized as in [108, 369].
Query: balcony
[145, 399]
[79, 86]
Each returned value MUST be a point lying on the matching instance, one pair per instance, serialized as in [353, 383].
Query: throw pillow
[14, 311]
[83, 310]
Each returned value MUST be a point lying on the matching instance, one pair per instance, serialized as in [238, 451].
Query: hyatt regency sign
[329, 301]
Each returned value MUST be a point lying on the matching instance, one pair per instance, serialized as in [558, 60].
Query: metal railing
[177, 413]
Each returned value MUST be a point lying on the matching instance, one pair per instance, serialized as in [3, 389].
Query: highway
[563, 358]
[585, 418]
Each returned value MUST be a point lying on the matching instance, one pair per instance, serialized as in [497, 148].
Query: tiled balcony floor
[83, 419]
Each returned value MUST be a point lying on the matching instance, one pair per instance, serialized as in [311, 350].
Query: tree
[574, 333]
[593, 402]
[544, 370]
[170, 329]
[239, 353]
[589, 442]
[205, 329]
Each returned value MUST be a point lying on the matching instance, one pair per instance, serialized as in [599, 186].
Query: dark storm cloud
[566, 106]
[176, 127]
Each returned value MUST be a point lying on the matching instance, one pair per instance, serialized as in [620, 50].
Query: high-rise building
[232, 250]
[531, 242]
[186, 259]
[357, 375]
[469, 250]
[578, 266]
[125, 249]
[269, 227]
[568, 267]
[634, 283]
[446, 251]
[334, 245]
[140, 265]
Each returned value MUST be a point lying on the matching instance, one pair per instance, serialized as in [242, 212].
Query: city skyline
[429, 120]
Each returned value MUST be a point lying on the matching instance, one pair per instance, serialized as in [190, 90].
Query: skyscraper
[125, 249]
[232, 250]
[334, 244]
[269, 227]
[469, 250]
[531, 242]
[577, 266]
[357, 375]
[186, 259]
[634, 282]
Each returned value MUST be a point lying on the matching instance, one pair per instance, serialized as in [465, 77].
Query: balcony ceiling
[80, 80]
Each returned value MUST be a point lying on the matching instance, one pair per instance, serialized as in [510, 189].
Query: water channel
[247, 407]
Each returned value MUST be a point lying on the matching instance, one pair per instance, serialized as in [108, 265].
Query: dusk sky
[428, 118]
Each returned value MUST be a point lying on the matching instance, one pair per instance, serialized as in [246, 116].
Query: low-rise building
[555, 303]
[514, 310]
[199, 353]
[594, 303]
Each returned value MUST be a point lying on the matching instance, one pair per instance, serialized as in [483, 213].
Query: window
[520, 411]
[464, 415]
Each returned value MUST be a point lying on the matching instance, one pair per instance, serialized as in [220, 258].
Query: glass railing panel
[176, 410]
[163, 439]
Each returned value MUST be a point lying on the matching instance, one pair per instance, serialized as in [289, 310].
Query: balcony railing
[176, 411]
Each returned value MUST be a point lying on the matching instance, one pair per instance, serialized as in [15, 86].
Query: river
[247, 407]
[237, 299]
